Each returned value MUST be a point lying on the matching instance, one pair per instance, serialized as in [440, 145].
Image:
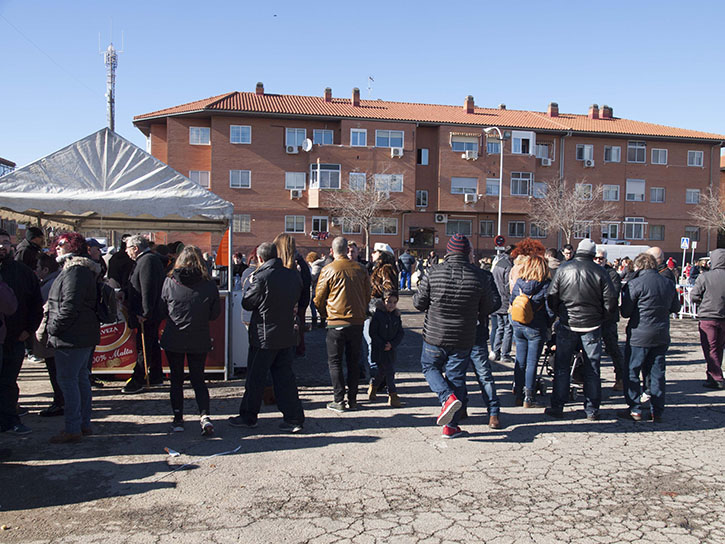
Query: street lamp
[488, 131]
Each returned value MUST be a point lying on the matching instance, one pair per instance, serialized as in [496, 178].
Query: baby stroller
[546, 369]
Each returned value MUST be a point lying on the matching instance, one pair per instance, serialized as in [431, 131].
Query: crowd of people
[527, 297]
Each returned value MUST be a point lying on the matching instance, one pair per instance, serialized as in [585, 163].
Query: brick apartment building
[249, 148]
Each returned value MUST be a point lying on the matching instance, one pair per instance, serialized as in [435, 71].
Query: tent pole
[230, 305]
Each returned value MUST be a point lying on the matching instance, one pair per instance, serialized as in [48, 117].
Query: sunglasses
[62, 243]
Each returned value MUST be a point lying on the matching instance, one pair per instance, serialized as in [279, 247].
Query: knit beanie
[458, 244]
[587, 247]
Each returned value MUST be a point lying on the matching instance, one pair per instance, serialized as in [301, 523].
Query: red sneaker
[450, 407]
[452, 432]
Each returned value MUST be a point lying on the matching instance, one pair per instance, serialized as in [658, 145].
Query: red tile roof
[315, 106]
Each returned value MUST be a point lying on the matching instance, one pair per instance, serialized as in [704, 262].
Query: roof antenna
[110, 59]
[370, 87]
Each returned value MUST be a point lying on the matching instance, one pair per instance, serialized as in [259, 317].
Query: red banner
[116, 354]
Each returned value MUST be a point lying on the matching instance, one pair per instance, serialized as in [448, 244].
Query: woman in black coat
[191, 300]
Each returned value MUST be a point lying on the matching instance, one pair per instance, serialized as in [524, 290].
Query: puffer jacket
[72, 319]
[190, 302]
[407, 262]
[455, 295]
[272, 295]
[501, 272]
[385, 327]
[581, 293]
[536, 291]
[709, 290]
[648, 300]
[343, 292]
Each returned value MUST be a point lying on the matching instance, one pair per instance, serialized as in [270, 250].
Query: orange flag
[222, 254]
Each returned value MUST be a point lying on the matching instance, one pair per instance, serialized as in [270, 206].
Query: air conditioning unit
[470, 198]
[589, 163]
[441, 218]
[295, 193]
[383, 195]
[545, 162]
[396, 152]
[470, 155]
[292, 150]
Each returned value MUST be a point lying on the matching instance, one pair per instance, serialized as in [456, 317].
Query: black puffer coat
[455, 295]
[648, 300]
[581, 293]
[273, 292]
[191, 302]
[72, 319]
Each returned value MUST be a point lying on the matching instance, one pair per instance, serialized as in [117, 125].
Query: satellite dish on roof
[307, 145]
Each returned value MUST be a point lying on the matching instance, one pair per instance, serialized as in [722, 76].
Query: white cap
[379, 246]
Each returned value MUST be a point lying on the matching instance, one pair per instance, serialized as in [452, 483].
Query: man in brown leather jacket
[342, 296]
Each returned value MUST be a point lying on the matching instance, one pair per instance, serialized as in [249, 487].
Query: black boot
[529, 399]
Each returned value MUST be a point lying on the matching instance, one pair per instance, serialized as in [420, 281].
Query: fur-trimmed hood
[70, 260]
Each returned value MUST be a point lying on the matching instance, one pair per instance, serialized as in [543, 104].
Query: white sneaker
[491, 355]
[207, 429]
[644, 398]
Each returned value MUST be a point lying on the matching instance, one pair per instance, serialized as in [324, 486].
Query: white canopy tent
[104, 182]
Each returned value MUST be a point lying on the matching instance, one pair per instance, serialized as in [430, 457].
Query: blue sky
[658, 62]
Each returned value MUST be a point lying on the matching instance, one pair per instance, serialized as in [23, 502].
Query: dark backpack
[106, 305]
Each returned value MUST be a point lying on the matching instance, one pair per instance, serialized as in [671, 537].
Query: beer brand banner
[116, 353]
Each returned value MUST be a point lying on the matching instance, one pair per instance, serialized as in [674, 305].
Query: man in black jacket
[144, 297]
[455, 295]
[609, 327]
[647, 300]
[30, 249]
[582, 295]
[120, 266]
[271, 297]
[20, 326]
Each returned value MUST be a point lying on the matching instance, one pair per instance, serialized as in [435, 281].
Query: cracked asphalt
[375, 475]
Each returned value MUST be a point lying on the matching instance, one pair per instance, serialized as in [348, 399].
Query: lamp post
[488, 131]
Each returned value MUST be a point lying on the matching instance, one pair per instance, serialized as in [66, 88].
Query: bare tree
[710, 212]
[559, 205]
[363, 206]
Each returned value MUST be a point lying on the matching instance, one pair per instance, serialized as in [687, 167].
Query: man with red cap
[455, 295]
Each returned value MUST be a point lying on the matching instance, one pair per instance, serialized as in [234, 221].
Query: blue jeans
[504, 335]
[482, 369]
[529, 341]
[567, 342]
[650, 361]
[405, 277]
[435, 361]
[71, 365]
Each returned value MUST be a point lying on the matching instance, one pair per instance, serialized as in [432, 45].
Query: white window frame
[659, 155]
[519, 229]
[607, 193]
[348, 227]
[537, 232]
[492, 186]
[391, 183]
[199, 136]
[466, 223]
[424, 159]
[294, 136]
[464, 186]
[388, 134]
[517, 142]
[696, 158]
[489, 231]
[354, 181]
[655, 228]
[241, 222]
[461, 144]
[584, 152]
[493, 147]
[197, 176]
[421, 198]
[654, 194]
[519, 178]
[583, 190]
[615, 151]
[360, 133]
[635, 223]
[379, 225]
[322, 221]
[692, 196]
[295, 180]
[327, 172]
[632, 183]
[639, 147]
[582, 229]
[323, 133]
[543, 151]
[295, 227]
[240, 131]
[241, 175]
[693, 233]
[607, 231]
